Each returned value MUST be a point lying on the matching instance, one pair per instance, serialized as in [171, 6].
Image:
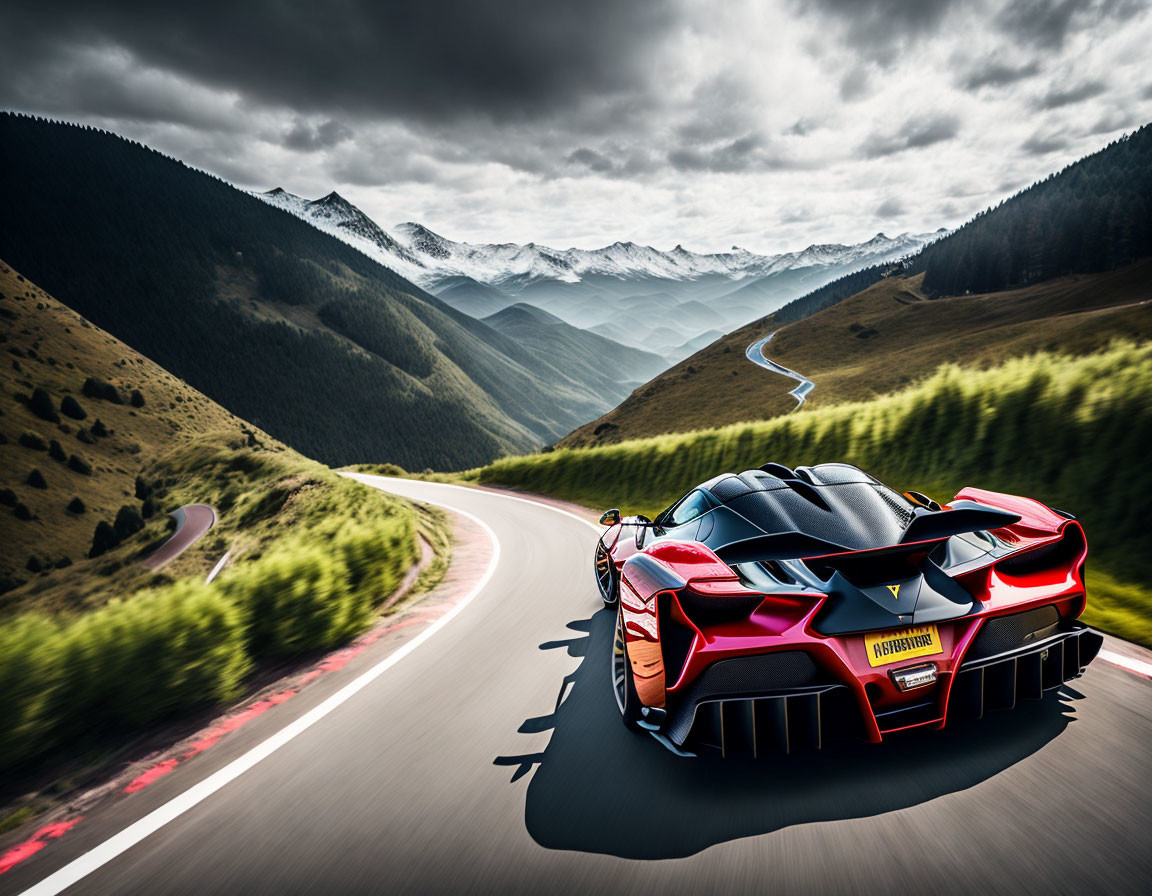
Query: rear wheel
[623, 687]
[606, 577]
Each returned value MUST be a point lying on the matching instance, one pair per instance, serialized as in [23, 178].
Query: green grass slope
[1070, 431]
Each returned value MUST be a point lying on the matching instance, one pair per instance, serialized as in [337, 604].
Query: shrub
[22, 512]
[104, 539]
[128, 522]
[95, 388]
[41, 405]
[76, 506]
[296, 600]
[1072, 432]
[70, 407]
[36, 479]
[80, 465]
[7, 497]
[133, 662]
[137, 398]
[56, 452]
[33, 441]
[29, 677]
[99, 429]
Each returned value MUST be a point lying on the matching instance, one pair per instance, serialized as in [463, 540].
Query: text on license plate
[891, 647]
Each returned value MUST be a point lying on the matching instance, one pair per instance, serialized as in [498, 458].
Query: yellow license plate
[891, 647]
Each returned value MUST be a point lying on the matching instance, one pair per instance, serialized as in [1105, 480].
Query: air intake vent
[1009, 632]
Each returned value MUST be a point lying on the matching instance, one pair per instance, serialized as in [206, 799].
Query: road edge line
[117, 844]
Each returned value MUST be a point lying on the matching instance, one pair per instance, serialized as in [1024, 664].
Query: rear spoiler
[926, 526]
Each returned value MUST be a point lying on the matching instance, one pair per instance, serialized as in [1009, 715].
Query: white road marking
[95, 858]
[365, 477]
[1126, 662]
[219, 566]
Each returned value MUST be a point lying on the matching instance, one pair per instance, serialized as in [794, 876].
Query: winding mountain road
[755, 354]
[485, 754]
[192, 522]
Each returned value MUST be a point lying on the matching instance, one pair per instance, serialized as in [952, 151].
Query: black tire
[607, 582]
[623, 687]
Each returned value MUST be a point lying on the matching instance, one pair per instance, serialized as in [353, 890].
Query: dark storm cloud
[873, 25]
[996, 74]
[432, 60]
[1048, 23]
[1060, 95]
[750, 152]
[308, 137]
[916, 133]
[890, 208]
[1038, 144]
[855, 83]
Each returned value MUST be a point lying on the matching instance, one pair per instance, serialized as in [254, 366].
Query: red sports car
[779, 608]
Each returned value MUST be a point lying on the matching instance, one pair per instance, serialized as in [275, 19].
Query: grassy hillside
[600, 361]
[93, 648]
[1070, 431]
[883, 338]
[50, 350]
[282, 324]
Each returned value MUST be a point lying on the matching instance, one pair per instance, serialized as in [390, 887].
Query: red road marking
[36, 843]
[157, 771]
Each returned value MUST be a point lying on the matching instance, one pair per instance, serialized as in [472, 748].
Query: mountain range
[663, 302]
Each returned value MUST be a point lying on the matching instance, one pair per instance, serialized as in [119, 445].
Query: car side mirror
[610, 517]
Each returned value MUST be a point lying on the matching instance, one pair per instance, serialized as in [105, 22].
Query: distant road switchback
[485, 754]
[755, 354]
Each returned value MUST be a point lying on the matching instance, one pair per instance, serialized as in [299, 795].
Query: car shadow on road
[599, 788]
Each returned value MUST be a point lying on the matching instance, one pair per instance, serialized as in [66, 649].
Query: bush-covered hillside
[285, 326]
[1072, 432]
[90, 653]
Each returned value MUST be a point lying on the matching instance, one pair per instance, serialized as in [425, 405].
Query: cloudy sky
[770, 125]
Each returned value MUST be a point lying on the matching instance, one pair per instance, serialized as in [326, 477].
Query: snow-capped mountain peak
[430, 259]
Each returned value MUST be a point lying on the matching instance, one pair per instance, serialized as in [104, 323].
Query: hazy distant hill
[614, 368]
[282, 324]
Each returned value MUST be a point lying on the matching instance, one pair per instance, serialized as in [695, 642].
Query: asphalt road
[192, 521]
[490, 758]
[755, 354]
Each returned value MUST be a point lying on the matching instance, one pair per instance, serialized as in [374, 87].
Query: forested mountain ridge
[1094, 215]
[284, 325]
